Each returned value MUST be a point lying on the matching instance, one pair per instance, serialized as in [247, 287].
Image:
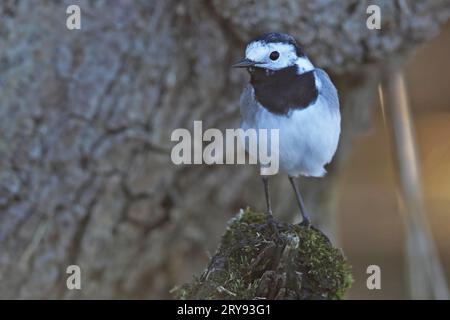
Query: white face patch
[260, 51]
[304, 65]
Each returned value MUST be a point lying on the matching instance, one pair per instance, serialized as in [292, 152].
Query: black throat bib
[283, 90]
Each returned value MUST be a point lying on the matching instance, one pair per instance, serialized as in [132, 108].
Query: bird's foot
[273, 225]
[306, 223]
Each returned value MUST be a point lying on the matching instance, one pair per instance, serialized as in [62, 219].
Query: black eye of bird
[274, 55]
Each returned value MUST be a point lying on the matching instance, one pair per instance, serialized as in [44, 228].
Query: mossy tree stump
[252, 262]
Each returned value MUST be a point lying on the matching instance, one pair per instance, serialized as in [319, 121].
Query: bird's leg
[270, 218]
[266, 192]
[305, 217]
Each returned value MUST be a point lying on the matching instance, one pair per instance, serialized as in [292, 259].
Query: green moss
[252, 262]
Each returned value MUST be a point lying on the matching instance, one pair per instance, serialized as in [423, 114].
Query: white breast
[308, 137]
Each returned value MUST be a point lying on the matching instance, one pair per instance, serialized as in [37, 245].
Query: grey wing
[248, 104]
[328, 90]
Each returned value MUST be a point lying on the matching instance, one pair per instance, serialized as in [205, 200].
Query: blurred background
[86, 117]
[372, 229]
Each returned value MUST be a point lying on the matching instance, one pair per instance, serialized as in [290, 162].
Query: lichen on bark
[253, 262]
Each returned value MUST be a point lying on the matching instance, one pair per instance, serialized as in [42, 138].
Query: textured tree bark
[86, 117]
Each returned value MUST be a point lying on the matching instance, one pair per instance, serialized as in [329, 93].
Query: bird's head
[274, 51]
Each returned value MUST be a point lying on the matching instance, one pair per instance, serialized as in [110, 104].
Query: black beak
[244, 63]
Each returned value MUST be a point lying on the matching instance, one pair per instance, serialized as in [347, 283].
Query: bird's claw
[306, 223]
[273, 225]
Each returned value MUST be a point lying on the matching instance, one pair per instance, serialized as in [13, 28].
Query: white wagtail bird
[288, 93]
